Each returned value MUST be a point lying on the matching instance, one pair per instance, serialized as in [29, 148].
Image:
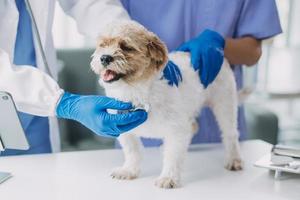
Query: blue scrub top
[36, 128]
[177, 21]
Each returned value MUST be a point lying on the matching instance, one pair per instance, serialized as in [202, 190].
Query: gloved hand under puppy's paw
[91, 111]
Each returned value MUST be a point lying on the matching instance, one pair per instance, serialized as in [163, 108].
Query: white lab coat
[33, 90]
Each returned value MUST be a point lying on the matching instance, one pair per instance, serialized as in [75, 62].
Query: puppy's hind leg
[131, 167]
[175, 148]
[225, 112]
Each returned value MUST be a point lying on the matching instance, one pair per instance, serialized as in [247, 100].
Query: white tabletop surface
[85, 175]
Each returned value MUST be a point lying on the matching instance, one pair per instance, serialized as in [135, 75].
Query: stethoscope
[37, 33]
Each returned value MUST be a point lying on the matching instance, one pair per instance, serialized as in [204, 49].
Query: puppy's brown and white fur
[134, 74]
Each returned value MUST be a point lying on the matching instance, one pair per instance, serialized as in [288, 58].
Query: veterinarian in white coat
[35, 92]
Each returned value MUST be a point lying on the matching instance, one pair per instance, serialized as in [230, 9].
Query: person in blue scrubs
[243, 24]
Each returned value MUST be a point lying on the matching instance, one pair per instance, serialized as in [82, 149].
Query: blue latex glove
[207, 54]
[91, 111]
[172, 73]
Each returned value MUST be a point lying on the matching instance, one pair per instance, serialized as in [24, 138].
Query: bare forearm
[246, 51]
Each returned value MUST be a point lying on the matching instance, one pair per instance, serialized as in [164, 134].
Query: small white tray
[265, 162]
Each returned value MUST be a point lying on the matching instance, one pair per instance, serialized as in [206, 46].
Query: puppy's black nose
[106, 59]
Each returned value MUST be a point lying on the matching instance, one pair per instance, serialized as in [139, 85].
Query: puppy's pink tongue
[108, 75]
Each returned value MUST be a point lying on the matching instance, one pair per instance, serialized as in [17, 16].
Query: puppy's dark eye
[101, 45]
[126, 47]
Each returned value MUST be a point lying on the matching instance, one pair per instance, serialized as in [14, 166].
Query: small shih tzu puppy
[129, 60]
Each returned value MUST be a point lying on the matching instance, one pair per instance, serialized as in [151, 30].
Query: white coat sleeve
[92, 16]
[33, 91]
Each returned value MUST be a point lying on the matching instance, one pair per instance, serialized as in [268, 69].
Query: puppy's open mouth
[110, 76]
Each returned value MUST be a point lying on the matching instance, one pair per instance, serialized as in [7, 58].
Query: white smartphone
[12, 135]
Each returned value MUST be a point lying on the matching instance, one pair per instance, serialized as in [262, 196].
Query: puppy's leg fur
[226, 116]
[131, 167]
[175, 148]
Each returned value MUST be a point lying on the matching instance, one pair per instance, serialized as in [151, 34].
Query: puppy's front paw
[124, 173]
[166, 182]
[234, 164]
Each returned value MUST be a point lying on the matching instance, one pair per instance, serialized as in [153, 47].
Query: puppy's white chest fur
[169, 106]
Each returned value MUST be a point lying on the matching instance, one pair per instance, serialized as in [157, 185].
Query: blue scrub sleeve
[259, 19]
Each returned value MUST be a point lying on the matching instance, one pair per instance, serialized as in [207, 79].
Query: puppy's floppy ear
[157, 51]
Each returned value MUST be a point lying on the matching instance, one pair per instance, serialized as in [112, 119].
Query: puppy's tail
[243, 94]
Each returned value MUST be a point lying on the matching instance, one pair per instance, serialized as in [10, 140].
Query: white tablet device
[12, 135]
